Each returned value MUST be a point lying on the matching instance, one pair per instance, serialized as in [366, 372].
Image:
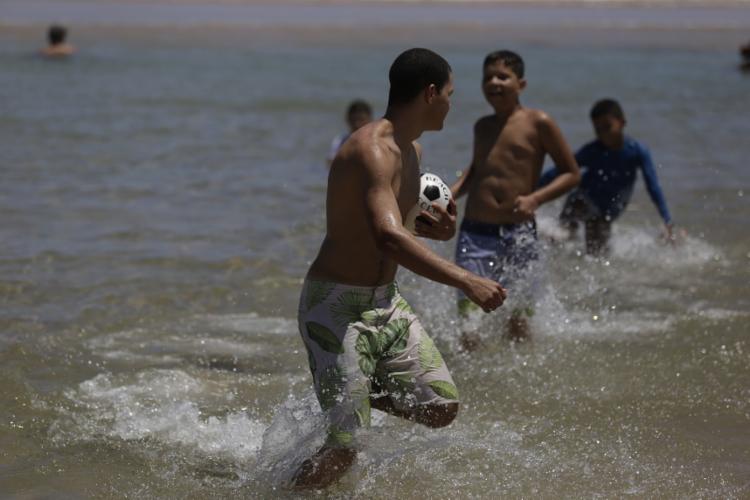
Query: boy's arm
[568, 173]
[551, 173]
[654, 189]
[461, 186]
[384, 218]
[547, 176]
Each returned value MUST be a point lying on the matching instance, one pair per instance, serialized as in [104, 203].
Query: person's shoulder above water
[57, 46]
[745, 56]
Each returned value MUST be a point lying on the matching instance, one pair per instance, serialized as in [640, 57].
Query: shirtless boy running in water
[498, 234]
[365, 345]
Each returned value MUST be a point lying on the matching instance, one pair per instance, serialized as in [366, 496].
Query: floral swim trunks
[362, 341]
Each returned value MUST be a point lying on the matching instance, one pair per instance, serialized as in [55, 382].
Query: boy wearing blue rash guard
[609, 165]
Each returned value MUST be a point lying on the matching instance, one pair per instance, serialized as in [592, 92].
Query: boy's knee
[440, 415]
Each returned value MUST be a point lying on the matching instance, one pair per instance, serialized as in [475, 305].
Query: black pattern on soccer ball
[431, 192]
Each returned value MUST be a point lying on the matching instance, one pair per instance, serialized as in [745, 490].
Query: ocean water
[162, 194]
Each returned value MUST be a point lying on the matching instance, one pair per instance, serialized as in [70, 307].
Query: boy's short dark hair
[508, 58]
[412, 71]
[359, 106]
[607, 107]
[56, 34]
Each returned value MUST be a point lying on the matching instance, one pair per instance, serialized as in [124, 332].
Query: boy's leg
[572, 213]
[412, 380]
[470, 316]
[518, 329]
[328, 325]
[324, 468]
[518, 252]
[598, 232]
[431, 415]
[475, 253]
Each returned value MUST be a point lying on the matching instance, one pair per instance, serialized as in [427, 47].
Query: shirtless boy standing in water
[498, 234]
[365, 345]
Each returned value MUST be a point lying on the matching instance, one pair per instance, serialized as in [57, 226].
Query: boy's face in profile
[358, 119]
[609, 130]
[500, 85]
[440, 106]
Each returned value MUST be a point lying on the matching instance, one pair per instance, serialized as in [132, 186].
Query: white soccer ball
[432, 189]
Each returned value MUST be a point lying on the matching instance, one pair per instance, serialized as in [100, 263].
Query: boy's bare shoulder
[535, 116]
[539, 118]
[368, 146]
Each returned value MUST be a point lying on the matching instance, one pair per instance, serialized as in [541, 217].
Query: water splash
[159, 406]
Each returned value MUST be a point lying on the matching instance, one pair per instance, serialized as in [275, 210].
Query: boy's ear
[429, 93]
[522, 83]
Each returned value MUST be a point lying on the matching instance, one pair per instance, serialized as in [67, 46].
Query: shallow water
[162, 195]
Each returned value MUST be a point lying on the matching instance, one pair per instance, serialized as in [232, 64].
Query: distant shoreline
[659, 23]
[465, 3]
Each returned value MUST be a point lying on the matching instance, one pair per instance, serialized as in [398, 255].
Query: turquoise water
[162, 195]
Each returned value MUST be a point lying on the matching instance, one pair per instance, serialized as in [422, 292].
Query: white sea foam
[234, 335]
[158, 405]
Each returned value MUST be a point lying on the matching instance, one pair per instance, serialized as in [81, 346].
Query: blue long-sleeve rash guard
[608, 177]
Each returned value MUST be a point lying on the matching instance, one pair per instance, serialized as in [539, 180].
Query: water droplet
[740, 193]
[595, 317]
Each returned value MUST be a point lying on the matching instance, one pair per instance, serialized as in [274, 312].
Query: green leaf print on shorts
[444, 389]
[350, 306]
[317, 292]
[395, 336]
[361, 398]
[429, 356]
[338, 437]
[367, 347]
[403, 305]
[330, 387]
[324, 337]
